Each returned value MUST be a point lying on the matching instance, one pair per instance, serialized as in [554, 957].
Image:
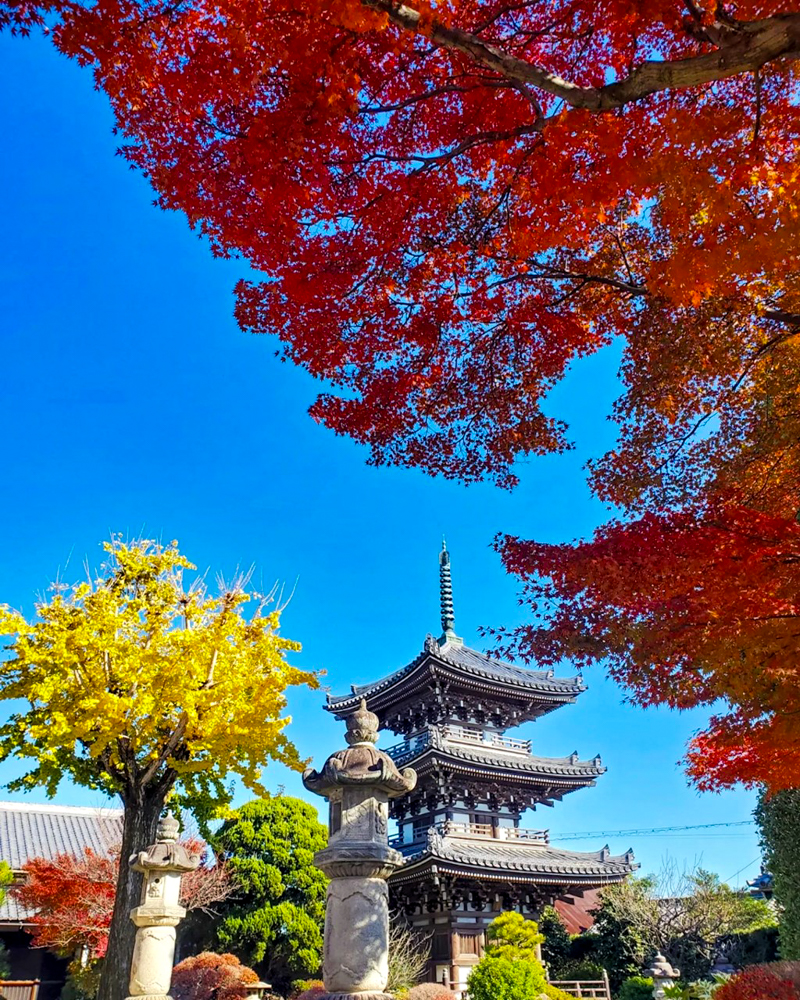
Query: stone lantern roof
[166, 854]
[661, 969]
[361, 763]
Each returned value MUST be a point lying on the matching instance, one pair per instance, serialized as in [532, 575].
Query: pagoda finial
[446, 598]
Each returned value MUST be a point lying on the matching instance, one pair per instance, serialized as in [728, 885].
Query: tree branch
[754, 44]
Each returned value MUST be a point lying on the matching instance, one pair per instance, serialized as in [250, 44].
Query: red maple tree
[450, 204]
[690, 608]
[71, 897]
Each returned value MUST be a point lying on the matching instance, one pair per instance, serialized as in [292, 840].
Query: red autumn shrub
[757, 982]
[209, 976]
[312, 993]
[785, 970]
[429, 991]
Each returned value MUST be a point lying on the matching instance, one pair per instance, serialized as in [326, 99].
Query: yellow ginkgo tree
[140, 682]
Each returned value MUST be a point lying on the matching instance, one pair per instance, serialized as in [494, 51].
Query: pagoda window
[420, 828]
[441, 945]
[468, 944]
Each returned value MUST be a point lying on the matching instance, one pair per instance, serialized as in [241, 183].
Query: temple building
[468, 856]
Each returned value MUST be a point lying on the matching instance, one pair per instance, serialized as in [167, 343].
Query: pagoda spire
[446, 598]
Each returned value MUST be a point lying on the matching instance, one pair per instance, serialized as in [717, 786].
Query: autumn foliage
[209, 976]
[453, 204]
[450, 204]
[760, 982]
[630, 597]
[98, 697]
[72, 897]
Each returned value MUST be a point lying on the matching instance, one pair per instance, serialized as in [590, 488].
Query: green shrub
[506, 979]
[513, 936]
[82, 982]
[557, 946]
[778, 818]
[703, 989]
[554, 993]
[751, 947]
[636, 988]
[581, 970]
[301, 985]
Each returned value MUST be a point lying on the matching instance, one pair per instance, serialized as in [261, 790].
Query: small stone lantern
[257, 990]
[662, 975]
[159, 912]
[358, 783]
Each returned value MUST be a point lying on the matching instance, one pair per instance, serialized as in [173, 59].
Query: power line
[647, 832]
[750, 865]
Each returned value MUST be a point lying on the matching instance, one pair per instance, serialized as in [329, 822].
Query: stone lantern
[662, 975]
[159, 912]
[358, 783]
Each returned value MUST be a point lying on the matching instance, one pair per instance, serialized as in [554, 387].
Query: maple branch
[781, 316]
[744, 48]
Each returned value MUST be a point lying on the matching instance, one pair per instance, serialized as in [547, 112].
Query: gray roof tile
[470, 661]
[43, 831]
[551, 864]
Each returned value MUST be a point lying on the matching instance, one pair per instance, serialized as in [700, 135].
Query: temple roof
[457, 662]
[436, 746]
[29, 830]
[499, 860]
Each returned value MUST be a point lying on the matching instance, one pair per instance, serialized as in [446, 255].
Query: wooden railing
[409, 748]
[524, 833]
[591, 989]
[478, 831]
[488, 830]
[25, 989]
[476, 737]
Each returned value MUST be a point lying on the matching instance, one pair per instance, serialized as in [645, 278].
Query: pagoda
[468, 857]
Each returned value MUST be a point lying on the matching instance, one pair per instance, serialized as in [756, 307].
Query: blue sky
[131, 402]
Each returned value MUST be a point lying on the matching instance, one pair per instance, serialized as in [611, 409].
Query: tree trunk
[142, 810]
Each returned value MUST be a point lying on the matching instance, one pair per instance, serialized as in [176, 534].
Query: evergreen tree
[778, 817]
[557, 946]
[275, 922]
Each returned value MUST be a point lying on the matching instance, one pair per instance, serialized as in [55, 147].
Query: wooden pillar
[454, 953]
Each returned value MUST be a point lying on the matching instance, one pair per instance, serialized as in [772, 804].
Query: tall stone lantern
[159, 912]
[358, 783]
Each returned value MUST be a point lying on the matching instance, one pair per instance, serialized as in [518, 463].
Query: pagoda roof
[489, 761]
[435, 746]
[457, 661]
[498, 860]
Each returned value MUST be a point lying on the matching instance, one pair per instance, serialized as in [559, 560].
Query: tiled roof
[34, 831]
[566, 767]
[43, 831]
[470, 662]
[518, 862]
